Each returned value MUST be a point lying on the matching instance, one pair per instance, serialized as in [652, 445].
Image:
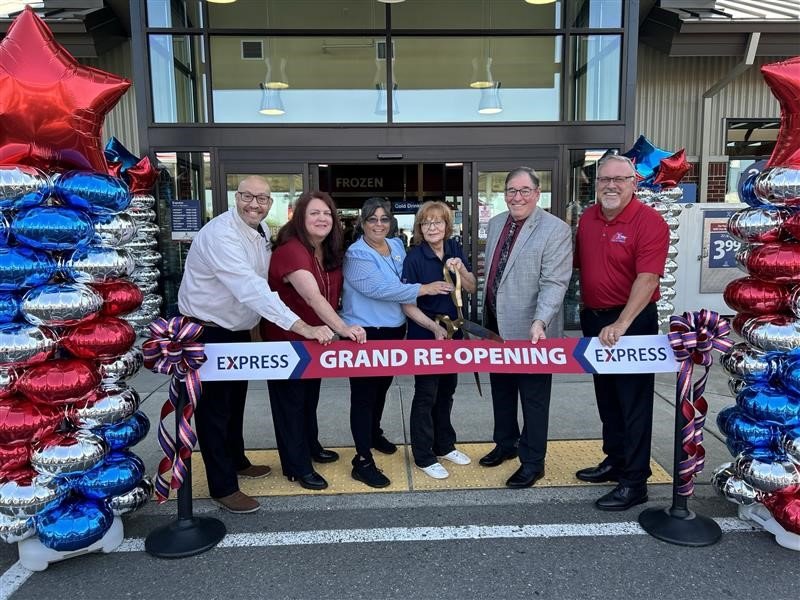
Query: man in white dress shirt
[224, 287]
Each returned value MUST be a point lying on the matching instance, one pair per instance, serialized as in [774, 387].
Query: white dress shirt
[225, 277]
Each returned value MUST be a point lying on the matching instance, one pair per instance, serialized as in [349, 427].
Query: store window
[751, 138]
[297, 14]
[178, 79]
[174, 13]
[476, 14]
[595, 14]
[596, 68]
[285, 189]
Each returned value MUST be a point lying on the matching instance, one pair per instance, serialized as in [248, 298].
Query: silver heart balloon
[15, 529]
[779, 186]
[142, 201]
[661, 208]
[727, 485]
[673, 194]
[771, 333]
[675, 209]
[146, 258]
[60, 304]
[115, 230]
[645, 194]
[782, 476]
[744, 362]
[141, 318]
[736, 385]
[23, 343]
[672, 223]
[757, 224]
[141, 215]
[790, 443]
[8, 377]
[663, 323]
[98, 263]
[668, 280]
[122, 367]
[151, 302]
[132, 500]
[22, 186]
[141, 244]
[794, 301]
[68, 453]
[111, 404]
[665, 309]
[672, 252]
[147, 229]
[670, 266]
[668, 293]
[145, 275]
[151, 287]
[28, 497]
[674, 238]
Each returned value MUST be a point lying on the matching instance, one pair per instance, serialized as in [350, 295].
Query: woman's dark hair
[296, 228]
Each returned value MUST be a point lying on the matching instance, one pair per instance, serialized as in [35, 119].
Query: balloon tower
[763, 429]
[68, 250]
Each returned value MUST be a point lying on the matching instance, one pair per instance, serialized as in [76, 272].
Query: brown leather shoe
[255, 472]
[238, 503]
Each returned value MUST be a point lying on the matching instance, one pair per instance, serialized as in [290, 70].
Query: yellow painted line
[564, 457]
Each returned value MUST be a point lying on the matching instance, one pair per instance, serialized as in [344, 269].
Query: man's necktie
[505, 250]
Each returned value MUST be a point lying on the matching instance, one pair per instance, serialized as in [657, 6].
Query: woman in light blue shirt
[372, 296]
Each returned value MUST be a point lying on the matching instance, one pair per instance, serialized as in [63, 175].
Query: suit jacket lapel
[522, 239]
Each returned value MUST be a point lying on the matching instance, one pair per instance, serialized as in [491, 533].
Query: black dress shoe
[384, 446]
[598, 474]
[310, 481]
[622, 498]
[368, 472]
[525, 477]
[324, 456]
[497, 457]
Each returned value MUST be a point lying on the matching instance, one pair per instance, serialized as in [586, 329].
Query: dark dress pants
[219, 420]
[294, 415]
[625, 402]
[368, 397]
[432, 432]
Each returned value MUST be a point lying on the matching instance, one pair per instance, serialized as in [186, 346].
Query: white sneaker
[436, 470]
[457, 457]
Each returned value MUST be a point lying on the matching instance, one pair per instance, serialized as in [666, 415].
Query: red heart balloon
[119, 297]
[752, 295]
[104, 337]
[785, 508]
[792, 225]
[22, 420]
[739, 320]
[60, 381]
[777, 262]
[14, 457]
[23, 476]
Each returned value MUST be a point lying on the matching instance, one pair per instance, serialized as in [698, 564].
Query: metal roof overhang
[683, 32]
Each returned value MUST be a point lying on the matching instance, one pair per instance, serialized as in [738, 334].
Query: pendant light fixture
[271, 102]
[490, 103]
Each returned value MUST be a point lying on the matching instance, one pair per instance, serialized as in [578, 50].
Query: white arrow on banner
[632, 354]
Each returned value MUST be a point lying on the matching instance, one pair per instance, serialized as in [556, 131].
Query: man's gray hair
[618, 158]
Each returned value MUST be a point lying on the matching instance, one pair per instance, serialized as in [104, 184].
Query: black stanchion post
[677, 524]
[188, 535]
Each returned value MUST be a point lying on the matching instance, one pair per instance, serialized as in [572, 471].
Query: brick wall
[717, 179]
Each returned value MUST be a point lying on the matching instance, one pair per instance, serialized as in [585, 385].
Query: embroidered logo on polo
[619, 238]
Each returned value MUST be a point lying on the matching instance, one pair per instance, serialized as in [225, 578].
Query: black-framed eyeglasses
[262, 199]
[617, 180]
[525, 192]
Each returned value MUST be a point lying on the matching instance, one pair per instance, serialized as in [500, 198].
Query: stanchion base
[686, 528]
[185, 537]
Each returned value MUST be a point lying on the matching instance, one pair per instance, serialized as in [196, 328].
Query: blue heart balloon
[742, 428]
[789, 373]
[9, 307]
[724, 416]
[116, 152]
[96, 193]
[765, 403]
[52, 228]
[118, 473]
[24, 268]
[22, 186]
[646, 157]
[127, 433]
[76, 523]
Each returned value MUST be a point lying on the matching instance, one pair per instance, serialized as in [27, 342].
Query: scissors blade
[480, 331]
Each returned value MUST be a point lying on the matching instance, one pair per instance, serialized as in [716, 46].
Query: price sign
[722, 247]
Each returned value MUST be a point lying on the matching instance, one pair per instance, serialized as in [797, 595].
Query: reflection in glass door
[490, 186]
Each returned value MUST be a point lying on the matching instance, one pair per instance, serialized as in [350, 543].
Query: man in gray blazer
[528, 267]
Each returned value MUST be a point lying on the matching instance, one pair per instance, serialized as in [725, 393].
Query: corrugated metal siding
[669, 98]
[120, 122]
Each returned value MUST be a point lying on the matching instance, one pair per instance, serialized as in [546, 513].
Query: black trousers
[368, 397]
[625, 402]
[294, 415]
[219, 420]
[432, 432]
[533, 392]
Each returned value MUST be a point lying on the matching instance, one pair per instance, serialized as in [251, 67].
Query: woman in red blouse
[306, 271]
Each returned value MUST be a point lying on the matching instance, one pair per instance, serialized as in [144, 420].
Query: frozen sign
[295, 360]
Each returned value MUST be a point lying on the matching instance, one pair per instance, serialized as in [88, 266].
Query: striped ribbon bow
[172, 350]
[692, 337]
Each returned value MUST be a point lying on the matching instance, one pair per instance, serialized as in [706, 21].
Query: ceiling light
[490, 103]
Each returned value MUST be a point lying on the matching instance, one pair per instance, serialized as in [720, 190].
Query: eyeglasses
[617, 180]
[431, 224]
[525, 192]
[262, 199]
[381, 220]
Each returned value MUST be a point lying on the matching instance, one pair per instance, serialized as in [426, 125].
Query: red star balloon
[783, 78]
[51, 107]
[142, 176]
[672, 169]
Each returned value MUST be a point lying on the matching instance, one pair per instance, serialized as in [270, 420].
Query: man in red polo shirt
[621, 248]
